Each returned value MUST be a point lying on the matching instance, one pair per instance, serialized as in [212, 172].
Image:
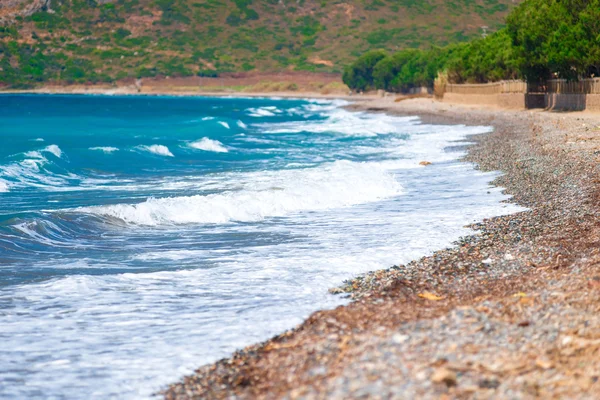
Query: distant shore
[288, 84]
[510, 311]
[109, 92]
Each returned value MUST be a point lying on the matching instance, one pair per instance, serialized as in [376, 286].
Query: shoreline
[167, 93]
[489, 317]
[232, 87]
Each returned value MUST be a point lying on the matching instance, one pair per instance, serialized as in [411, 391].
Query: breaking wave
[343, 122]
[265, 194]
[158, 149]
[207, 144]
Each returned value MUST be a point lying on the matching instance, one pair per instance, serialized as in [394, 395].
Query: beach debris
[443, 375]
[425, 163]
[430, 296]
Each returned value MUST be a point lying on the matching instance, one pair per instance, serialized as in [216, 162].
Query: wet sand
[509, 312]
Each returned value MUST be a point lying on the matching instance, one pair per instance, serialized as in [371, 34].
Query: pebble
[442, 375]
[500, 345]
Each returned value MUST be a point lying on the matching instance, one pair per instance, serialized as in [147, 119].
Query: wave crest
[266, 194]
[207, 144]
[106, 149]
[269, 111]
[158, 149]
[343, 122]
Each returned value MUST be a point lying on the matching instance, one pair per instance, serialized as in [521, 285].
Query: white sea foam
[252, 139]
[225, 124]
[266, 194]
[38, 156]
[207, 118]
[269, 111]
[31, 170]
[27, 173]
[110, 334]
[35, 158]
[83, 324]
[346, 123]
[104, 149]
[207, 144]
[54, 149]
[3, 186]
[242, 125]
[158, 149]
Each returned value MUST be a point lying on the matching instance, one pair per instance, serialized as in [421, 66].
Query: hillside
[103, 40]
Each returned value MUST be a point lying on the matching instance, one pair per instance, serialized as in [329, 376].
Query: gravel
[509, 312]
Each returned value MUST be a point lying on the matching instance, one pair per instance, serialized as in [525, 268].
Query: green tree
[556, 38]
[359, 74]
[484, 60]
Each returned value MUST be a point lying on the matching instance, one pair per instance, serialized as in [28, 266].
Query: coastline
[275, 94]
[508, 312]
[284, 85]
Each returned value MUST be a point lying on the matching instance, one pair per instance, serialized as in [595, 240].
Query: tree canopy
[543, 39]
[359, 74]
[556, 38]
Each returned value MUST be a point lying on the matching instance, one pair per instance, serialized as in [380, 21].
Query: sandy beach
[509, 312]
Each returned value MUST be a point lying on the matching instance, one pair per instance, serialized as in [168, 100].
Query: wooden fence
[584, 86]
[487, 88]
[555, 94]
[559, 86]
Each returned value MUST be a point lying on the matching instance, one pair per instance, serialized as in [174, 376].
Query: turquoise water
[141, 237]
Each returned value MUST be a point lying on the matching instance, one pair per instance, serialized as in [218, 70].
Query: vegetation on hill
[105, 40]
[543, 39]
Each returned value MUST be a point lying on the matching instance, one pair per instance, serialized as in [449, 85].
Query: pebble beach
[509, 312]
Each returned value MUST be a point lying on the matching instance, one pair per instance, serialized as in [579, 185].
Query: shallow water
[141, 237]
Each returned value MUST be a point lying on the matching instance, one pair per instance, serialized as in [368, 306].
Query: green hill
[104, 40]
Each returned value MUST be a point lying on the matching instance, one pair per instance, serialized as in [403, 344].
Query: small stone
[489, 383]
[543, 363]
[469, 389]
[399, 338]
[594, 283]
[443, 375]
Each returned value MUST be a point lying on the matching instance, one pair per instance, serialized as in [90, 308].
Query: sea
[144, 236]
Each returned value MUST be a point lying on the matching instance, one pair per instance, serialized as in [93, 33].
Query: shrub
[121, 33]
[208, 73]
